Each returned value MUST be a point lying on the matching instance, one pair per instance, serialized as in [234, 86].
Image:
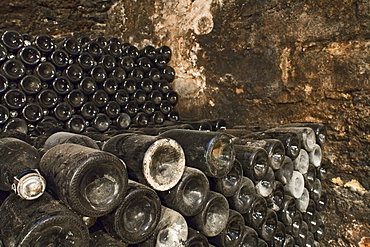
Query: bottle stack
[83, 83]
[158, 183]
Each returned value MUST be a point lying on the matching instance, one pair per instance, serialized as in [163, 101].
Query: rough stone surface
[252, 62]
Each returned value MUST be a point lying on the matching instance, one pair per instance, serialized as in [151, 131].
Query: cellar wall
[252, 62]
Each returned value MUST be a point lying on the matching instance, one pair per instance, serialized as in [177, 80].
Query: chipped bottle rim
[30, 185]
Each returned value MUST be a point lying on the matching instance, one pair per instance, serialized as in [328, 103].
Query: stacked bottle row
[179, 187]
[82, 82]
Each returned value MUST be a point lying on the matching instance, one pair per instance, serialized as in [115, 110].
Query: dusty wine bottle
[256, 213]
[268, 228]
[18, 166]
[242, 199]
[196, 239]
[230, 183]
[4, 114]
[67, 137]
[275, 149]
[301, 239]
[318, 128]
[303, 200]
[287, 211]
[295, 185]
[275, 199]
[279, 237]
[46, 71]
[232, 234]
[136, 217]
[172, 230]
[315, 156]
[101, 238]
[289, 241]
[214, 216]
[249, 238]
[189, 195]
[211, 152]
[157, 161]
[285, 173]
[90, 181]
[253, 160]
[42, 222]
[265, 186]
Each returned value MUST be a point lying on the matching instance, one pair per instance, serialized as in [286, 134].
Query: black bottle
[148, 107]
[88, 86]
[287, 211]
[42, 222]
[136, 217]
[249, 238]
[141, 120]
[60, 59]
[253, 160]
[12, 39]
[148, 51]
[67, 137]
[32, 113]
[44, 43]
[146, 85]
[70, 45]
[139, 96]
[289, 241]
[210, 152]
[46, 71]
[89, 110]
[256, 213]
[63, 111]
[3, 83]
[4, 114]
[13, 69]
[30, 84]
[74, 73]
[3, 53]
[232, 234]
[76, 98]
[113, 49]
[172, 230]
[62, 85]
[101, 122]
[15, 99]
[18, 166]
[90, 181]
[110, 85]
[279, 237]
[100, 238]
[93, 48]
[189, 195]
[269, 226]
[275, 199]
[157, 117]
[157, 161]
[242, 199]
[29, 55]
[100, 98]
[230, 183]
[98, 73]
[112, 109]
[122, 121]
[168, 73]
[197, 125]
[318, 128]
[196, 239]
[131, 108]
[127, 63]
[214, 216]
[154, 74]
[301, 239]
[76, 124]
[108, 62]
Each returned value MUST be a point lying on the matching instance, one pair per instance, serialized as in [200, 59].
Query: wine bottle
[67, 137]
[15, 124]
[163, 86]
[232, 234]
[316, 191]
[160, 61]
[93, 48]
[76, 98]
[173, 116]
[280, 235]
[154, 74]
[318, 128]
[172, 230]
[101, 122]
[76, 124]
[130, 85]
[197, 125]
[211, 152]
[42, 222]
[168, 73]
[144, 64]
[214, 216]
[148, 51]
[288, 211]
[188, 197]
[315, 156]
[157, 117]
[173, 98]
[165, 51]
[131, 51]
[229, 184]
[123, 121]
[29, 55]
[100, 238]
[89, 110]
[131, 108]
[98, 73]
[137, 75]
[15, 99]
[141, 119]
[139, 96]
[165, 107]
[30, 84]
[249, 238]
[74, 73]
[265, 186]
[295, 185]
[102, 41]
[90, 181]
[70, 45]
[148, 108]
[136, 217]
[253, 160]
[262, 243]
[3, 53]
[44, 43]
[269, 226]
[122, 97]
[18, 166]
[305, 134]
[108, 62]
[110, 86]
[256, 213]
[62, 85]
[47, 98]
[157, 161]
[319, 234]
[322, 203]
[289, 241]
[118, 74]
[3, 83]
[155, 96]
[242, 199]
[196, 239]
[12, 39]
[275, 199]
[4, 114]
[113, 49]
[285, 173]
[13, 69]
[60, 58]
[100, 98]
[112, 109]
[127, 63]
[46, 71]
[86, 61]
[301, 239]
[146, 85]
[302, 201]
[301, 162]
[32, 113]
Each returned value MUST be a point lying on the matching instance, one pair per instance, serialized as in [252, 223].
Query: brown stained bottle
[230, 183]
[253, 160]
[172, 230]
[18, 169]
[232, 234]
[256, 213]
[90, 181]
[214, 216]
[275, 149]
[242, 199]
[196, 239]
[157, 161]
[136, 217]
[211, 152]
[67, 137]
[189, 195]
[41, 222]
[100, 238]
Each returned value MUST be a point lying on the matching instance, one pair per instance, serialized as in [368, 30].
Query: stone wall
[252, 62]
